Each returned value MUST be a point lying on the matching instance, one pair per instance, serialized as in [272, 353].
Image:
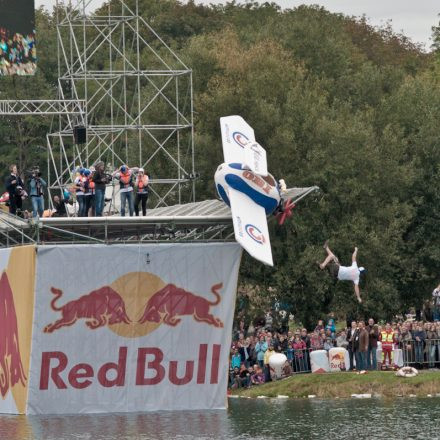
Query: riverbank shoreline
[347, 384]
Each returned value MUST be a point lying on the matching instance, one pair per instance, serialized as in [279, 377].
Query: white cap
[141, 170]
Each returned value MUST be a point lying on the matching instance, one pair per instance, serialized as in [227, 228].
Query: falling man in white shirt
[343, 273]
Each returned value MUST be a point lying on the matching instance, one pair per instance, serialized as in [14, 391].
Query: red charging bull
[11, 366]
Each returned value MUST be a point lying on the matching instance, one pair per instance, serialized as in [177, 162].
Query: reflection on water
[245, 419]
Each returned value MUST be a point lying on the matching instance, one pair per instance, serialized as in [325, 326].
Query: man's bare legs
[330, 257]
[357, 292]
[353, 257]
[356, 287]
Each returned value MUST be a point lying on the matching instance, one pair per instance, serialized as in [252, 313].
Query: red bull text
[150, 369]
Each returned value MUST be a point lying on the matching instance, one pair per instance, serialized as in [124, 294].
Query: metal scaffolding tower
[121, 82]
[136, 96]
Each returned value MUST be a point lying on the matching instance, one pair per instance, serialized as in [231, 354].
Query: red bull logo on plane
[255, 233]
[117, 306]
[240, 138]
[11, 365]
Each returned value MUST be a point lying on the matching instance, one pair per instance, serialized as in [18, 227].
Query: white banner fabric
[132, 327]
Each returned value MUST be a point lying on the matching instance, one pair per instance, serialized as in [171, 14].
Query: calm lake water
[245, 419]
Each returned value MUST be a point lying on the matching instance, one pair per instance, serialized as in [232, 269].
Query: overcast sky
[414, 18]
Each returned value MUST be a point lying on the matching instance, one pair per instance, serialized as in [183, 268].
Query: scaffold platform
[209, 220]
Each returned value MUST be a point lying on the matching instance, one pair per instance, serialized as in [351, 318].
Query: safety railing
[422, 353]
[298, 361]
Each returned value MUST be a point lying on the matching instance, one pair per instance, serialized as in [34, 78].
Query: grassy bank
[343, 385]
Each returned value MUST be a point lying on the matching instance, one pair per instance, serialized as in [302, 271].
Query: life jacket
[88, 185]
[387, 339]
[125, 179]
[142, 184]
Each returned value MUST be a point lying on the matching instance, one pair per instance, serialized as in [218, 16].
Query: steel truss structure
[42, 107]
[138, 95]
[200, 221]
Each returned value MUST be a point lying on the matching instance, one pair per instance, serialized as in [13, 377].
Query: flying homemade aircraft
[245, 185]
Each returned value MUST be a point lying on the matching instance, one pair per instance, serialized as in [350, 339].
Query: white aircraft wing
[255, 158]
[236, 133]
[250, 226]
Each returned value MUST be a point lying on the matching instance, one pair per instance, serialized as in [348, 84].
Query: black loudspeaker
[80, 134]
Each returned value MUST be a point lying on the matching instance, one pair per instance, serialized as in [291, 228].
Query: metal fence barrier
[421, 354]
[299, 360]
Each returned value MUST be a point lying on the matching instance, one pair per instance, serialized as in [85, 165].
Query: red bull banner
[131, 327]
[338, 359]
[17, 267]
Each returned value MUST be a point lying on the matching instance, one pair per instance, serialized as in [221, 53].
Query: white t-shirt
[349, 273]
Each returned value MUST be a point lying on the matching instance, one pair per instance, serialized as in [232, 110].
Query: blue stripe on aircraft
[268, 203]
[222, 193]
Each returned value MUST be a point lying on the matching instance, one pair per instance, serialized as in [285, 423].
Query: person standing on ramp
[343, 273]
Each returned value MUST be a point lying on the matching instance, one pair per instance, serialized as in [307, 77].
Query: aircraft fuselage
[261, 190]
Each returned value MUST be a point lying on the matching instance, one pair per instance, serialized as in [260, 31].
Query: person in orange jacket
[125, 176]
[141, 185]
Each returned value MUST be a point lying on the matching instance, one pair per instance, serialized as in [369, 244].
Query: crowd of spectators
[87, 192]
[17, 53]
[17, 192]
[90, 185]
[253, 346]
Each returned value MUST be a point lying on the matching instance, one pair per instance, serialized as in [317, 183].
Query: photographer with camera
[101, 179]
[14, 186]
[37, 185]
